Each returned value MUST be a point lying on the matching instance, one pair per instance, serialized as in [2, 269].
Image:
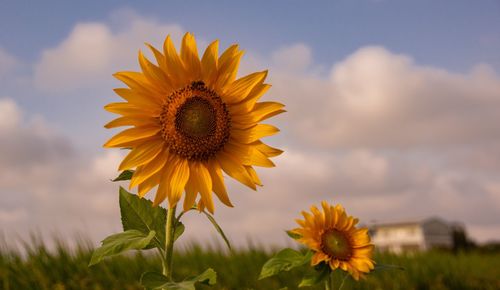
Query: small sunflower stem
[329, 282]
[169, 243]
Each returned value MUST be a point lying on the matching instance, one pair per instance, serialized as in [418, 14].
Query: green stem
[329, 282]
[169, 243]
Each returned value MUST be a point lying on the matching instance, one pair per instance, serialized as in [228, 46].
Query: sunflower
[190, 121]
[332, 235]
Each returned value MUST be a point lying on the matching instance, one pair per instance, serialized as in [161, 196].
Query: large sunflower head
[332, 235]
[190, 120]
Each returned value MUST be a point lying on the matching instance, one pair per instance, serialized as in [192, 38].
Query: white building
[413, 236]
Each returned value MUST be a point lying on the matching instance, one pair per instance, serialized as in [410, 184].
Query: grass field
[61, 269]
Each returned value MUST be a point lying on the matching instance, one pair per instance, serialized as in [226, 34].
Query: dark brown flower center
[195, 122]
[336, 244]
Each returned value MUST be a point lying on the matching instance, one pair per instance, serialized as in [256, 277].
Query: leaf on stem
[119, 243]
[125, 175]
[153, 280]
[139, 214]
[284, 260]
[317, 275]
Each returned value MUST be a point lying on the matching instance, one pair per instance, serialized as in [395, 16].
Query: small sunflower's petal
[254, 133]
[309, 219]
[176, 70]
[318, 258]
[328, 216]
[189, 56]
[149, 183]
[155, 75]
[142, 154]
[365, 251]
[319, 218]
[132, 134]
[228, 67]
[239, 89]
[218, 182]
[203, 183]
[301, 223]
[361, 237]
[191, 193]
[160, 58]
[266, 149]
[253, 175]
[235, 170]
[209, 64]
[134, 98]
[130, 109]
[137, 82]
[362, 265]
[334, 264]
[178, 181]
[201, 205]
[138, 121]
[149, 169]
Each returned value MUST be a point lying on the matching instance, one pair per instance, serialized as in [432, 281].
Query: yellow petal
[253, 175]
[203, 182]
[142, 154]
[257, 92]
[266, 149]
[146, 171]
[133, 134]
[218, 182]
[189, 56]
[137, 82]
[176, 70]
[235, 170]
[228, 67]
[209, 64]
[160, 58]
[155, 75]
[178, 180]
[318, 258]
[239, 89]
[149, 183]
[247, 136]
[135, 98]
[132, 121]
[130, 109]
[191, 193]
[261, 112]
[161, 192]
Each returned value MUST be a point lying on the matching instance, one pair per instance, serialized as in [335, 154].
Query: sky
[393, 110]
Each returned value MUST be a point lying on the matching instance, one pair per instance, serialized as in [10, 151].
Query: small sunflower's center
[195, 122]
[196, 118]
[336, 245]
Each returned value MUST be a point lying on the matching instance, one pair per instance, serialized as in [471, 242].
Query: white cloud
[377, 98]
[385, 136]
[295, 57]
[92, 52]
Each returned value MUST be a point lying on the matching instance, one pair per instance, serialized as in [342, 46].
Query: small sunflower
[191, 120]
[332, 235]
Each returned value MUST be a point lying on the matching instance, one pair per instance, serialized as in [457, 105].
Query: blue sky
[392, 107]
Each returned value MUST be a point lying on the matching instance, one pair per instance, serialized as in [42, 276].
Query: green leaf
[125, 175]
[153, 280]
[284, 260]
[317, 275]
[139, 214]
[218, 228]
[119, 243]
[179, 230]
[293, 235]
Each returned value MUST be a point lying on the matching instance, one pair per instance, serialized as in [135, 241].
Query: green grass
[39, 268]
